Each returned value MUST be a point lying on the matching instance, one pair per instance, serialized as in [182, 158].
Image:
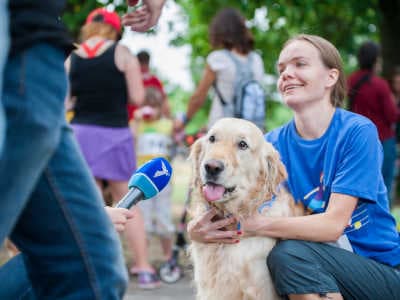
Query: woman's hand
[179, 125]
[208, 228]
[119, 216]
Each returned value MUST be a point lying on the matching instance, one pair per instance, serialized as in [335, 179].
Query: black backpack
[249, 101]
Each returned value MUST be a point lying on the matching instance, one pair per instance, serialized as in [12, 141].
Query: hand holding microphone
[147, 182]
[119, 216]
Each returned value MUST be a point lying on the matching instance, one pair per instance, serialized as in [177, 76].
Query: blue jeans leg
[49, 199]
[14, 276]
[89, 259]
[33, 106]
[4, 42]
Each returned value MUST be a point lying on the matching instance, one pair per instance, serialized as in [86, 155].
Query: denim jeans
[4, 43]
[49, 204]
[14, 276]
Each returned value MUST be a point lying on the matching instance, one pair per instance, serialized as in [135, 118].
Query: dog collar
[270, 202]
[266, 204]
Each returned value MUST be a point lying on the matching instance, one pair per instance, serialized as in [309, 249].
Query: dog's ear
[276, 171]
[195, 155]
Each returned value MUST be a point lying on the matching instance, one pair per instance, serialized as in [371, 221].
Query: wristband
[185, 119]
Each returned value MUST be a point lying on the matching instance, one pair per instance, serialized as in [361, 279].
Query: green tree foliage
[76, 12]
[345, 23]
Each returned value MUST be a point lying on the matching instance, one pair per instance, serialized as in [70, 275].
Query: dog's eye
[243, 145]
[211, 139]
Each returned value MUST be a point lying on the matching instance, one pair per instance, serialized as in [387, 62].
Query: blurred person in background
[370, 96]
[21, 287]
[4, 42]
[154, 139]
[149, 80]
[395, 86]
[50, 207]
[104, 76]
[230, 39]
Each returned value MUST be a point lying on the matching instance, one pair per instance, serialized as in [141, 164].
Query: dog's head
[234, 167]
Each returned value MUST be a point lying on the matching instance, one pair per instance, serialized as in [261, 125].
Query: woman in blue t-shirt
[348, 246]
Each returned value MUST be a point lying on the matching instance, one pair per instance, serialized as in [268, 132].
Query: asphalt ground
[181, 290]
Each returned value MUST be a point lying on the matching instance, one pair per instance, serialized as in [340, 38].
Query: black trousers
[299, 267]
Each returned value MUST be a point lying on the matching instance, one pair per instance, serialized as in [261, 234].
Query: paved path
[181, 290]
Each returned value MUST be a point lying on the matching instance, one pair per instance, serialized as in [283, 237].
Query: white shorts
[157, 213]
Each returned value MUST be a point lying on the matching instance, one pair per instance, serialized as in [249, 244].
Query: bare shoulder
[123, 51]
[123, 56]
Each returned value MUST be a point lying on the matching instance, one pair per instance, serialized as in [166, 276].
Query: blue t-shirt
[347, 159]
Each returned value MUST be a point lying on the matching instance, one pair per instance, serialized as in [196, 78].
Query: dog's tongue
[213, 192]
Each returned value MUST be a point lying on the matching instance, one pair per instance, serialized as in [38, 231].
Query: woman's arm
[69, 101]
[322, 227]
[199, 96]
[128, 63]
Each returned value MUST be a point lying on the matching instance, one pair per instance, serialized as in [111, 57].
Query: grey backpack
[249, 101]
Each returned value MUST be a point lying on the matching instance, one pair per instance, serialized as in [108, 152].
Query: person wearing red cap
[104, 76]
[50, 206]
[102, 15]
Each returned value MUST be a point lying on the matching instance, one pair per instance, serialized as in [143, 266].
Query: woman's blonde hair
[330, 57]
[98, 29]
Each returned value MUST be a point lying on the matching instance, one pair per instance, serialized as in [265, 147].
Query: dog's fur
[237, 271]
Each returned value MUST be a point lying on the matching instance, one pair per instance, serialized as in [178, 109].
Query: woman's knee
[295, 268]
[285, 253]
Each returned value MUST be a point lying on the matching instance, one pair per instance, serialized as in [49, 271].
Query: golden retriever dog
[236, 171]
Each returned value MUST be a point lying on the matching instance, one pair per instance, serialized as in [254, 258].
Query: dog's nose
[214, 167]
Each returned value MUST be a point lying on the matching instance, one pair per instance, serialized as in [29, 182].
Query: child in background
[154, 139]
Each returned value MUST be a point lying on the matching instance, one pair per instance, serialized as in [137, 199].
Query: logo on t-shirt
[359, 218]
[314, 200]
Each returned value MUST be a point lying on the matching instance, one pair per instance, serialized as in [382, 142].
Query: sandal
[148, 280]
[136, 270]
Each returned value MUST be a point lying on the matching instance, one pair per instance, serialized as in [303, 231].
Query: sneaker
[135, 271]
[148, 280]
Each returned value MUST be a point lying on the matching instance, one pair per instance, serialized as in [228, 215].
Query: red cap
[102, 15]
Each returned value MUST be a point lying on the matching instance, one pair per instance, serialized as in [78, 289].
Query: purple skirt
[109, 151]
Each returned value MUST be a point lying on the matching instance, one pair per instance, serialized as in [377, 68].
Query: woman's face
[303, 78]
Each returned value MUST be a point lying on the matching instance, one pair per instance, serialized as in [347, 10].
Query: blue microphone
[147, 182]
